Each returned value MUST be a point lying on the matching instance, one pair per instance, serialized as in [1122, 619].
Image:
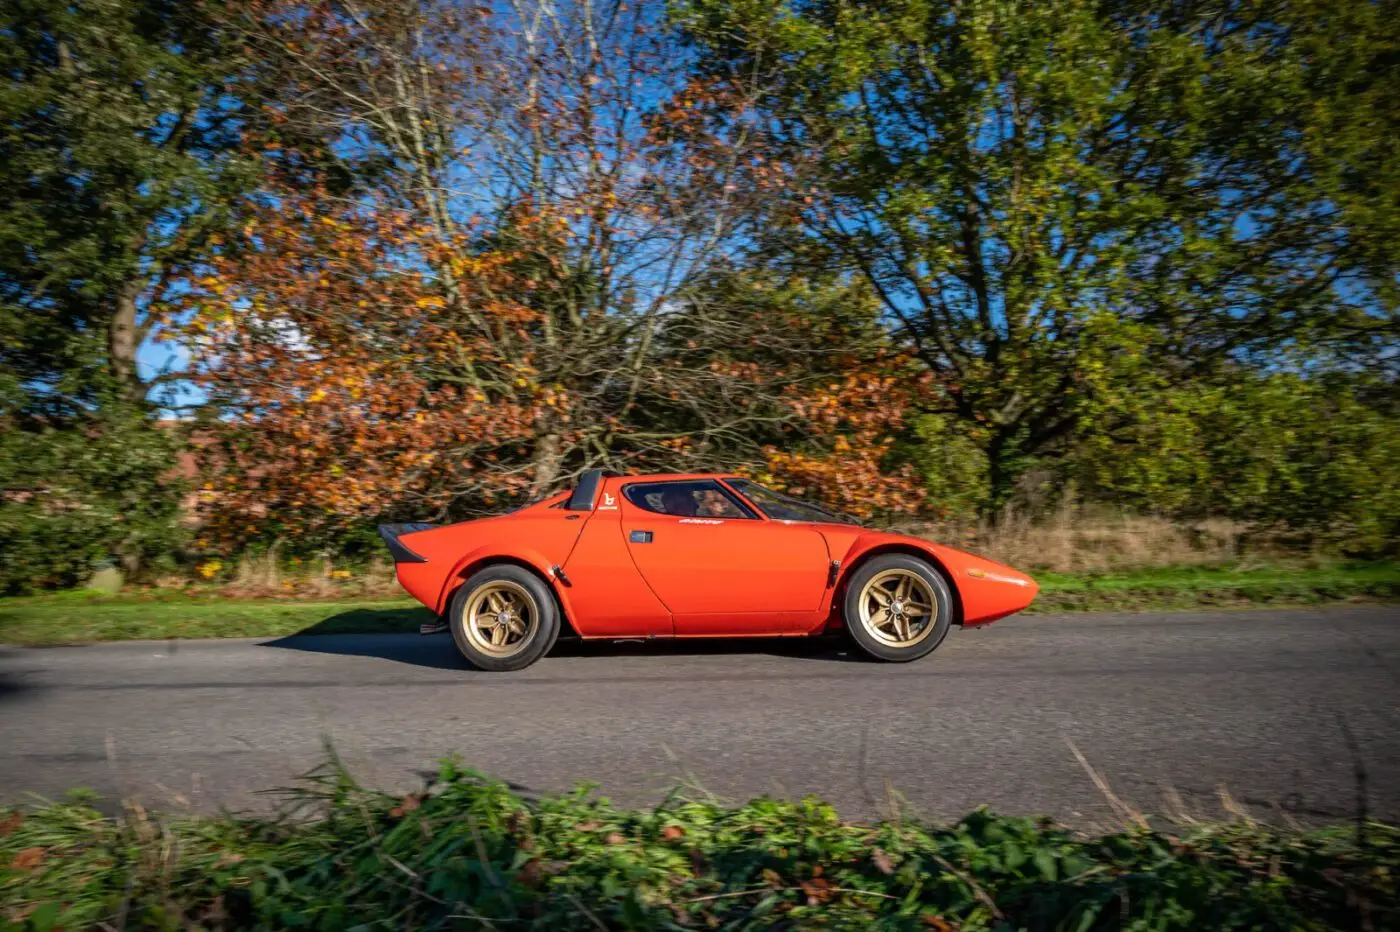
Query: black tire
[529, 590]
[879, 645]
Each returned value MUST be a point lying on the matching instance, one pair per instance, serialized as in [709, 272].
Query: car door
[607, 595]
[717, 565]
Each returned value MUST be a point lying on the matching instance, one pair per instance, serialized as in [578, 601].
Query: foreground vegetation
[78, 617]
[468, 853]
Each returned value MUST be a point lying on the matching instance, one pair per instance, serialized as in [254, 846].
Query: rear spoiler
[397, 550]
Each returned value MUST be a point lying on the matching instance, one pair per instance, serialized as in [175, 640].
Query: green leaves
[119, 153]
[471, 852]
[102, 489]
[1018, 180]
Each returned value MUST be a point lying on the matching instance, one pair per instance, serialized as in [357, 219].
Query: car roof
[672, 476]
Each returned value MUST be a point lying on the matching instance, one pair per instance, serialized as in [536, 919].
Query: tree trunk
[999, 478]
[130, 560]
[546, 465]
[123, 343]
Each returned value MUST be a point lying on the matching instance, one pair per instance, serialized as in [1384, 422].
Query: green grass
[1206, 586]
[466, 853]
[76, 617]
[73, 617]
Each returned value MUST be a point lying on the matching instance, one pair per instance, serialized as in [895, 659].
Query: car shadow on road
[392, 634]
[386, 634]
[831, 648]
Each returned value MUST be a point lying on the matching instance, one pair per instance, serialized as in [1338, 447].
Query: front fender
[987, 590]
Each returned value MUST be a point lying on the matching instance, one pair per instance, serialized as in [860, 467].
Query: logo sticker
[609, 503]
[701, 521]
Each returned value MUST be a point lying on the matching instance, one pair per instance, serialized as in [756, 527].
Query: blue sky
[157, 357]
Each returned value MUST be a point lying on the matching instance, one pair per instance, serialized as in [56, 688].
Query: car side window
[692, 499]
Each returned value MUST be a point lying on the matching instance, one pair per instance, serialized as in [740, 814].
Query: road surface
[1295, 713]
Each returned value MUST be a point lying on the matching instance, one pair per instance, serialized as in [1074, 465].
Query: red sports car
[690, 556]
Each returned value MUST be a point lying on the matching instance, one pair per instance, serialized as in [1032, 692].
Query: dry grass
[269, 576]
[257, 574]
[1073, 539]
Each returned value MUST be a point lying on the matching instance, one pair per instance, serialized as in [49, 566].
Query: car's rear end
[430, 558]
[421, 558]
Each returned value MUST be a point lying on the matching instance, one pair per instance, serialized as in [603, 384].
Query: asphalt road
[1296, 714]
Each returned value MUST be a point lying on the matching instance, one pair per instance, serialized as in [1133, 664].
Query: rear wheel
[503, 618]
[897, 608]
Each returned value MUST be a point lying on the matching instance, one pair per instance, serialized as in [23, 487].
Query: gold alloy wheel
[898, 607]
[500, 618]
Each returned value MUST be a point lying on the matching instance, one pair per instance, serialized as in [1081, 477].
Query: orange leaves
[410, 802]
[28, 859]
[850, 427]
[354, 383]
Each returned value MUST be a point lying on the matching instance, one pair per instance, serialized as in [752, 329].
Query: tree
[828, 395]
[79, 494]
[119, 149]
[1024, 185]
[475, 269]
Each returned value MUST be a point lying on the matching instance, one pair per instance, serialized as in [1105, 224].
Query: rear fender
[526, 557]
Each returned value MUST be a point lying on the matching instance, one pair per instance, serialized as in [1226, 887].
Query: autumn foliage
[529, 276]
[358, 388]
[340, 364]
[851, 427]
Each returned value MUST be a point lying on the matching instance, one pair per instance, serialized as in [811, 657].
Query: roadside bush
[1318, 457]
[91, 491]
[467, 852]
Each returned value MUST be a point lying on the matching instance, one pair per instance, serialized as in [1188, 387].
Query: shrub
[96, 490]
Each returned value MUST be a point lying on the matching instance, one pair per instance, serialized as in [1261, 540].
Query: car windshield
[786, 508]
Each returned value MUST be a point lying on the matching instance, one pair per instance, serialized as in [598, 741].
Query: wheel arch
[906, 549]
[475, 563]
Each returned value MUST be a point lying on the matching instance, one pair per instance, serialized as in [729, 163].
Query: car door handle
[640, 537]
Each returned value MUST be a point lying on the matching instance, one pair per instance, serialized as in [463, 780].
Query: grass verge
[72, 617]
[468, 853]
[76, 617]
[1206, 586]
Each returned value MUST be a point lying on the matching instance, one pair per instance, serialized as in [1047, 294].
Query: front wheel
[503, 618]
[897, 608]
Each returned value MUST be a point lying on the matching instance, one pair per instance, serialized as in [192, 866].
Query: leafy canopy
[1192, 184]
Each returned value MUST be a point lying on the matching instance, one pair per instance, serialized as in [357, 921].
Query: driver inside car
[678, 502]
[714, 505]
